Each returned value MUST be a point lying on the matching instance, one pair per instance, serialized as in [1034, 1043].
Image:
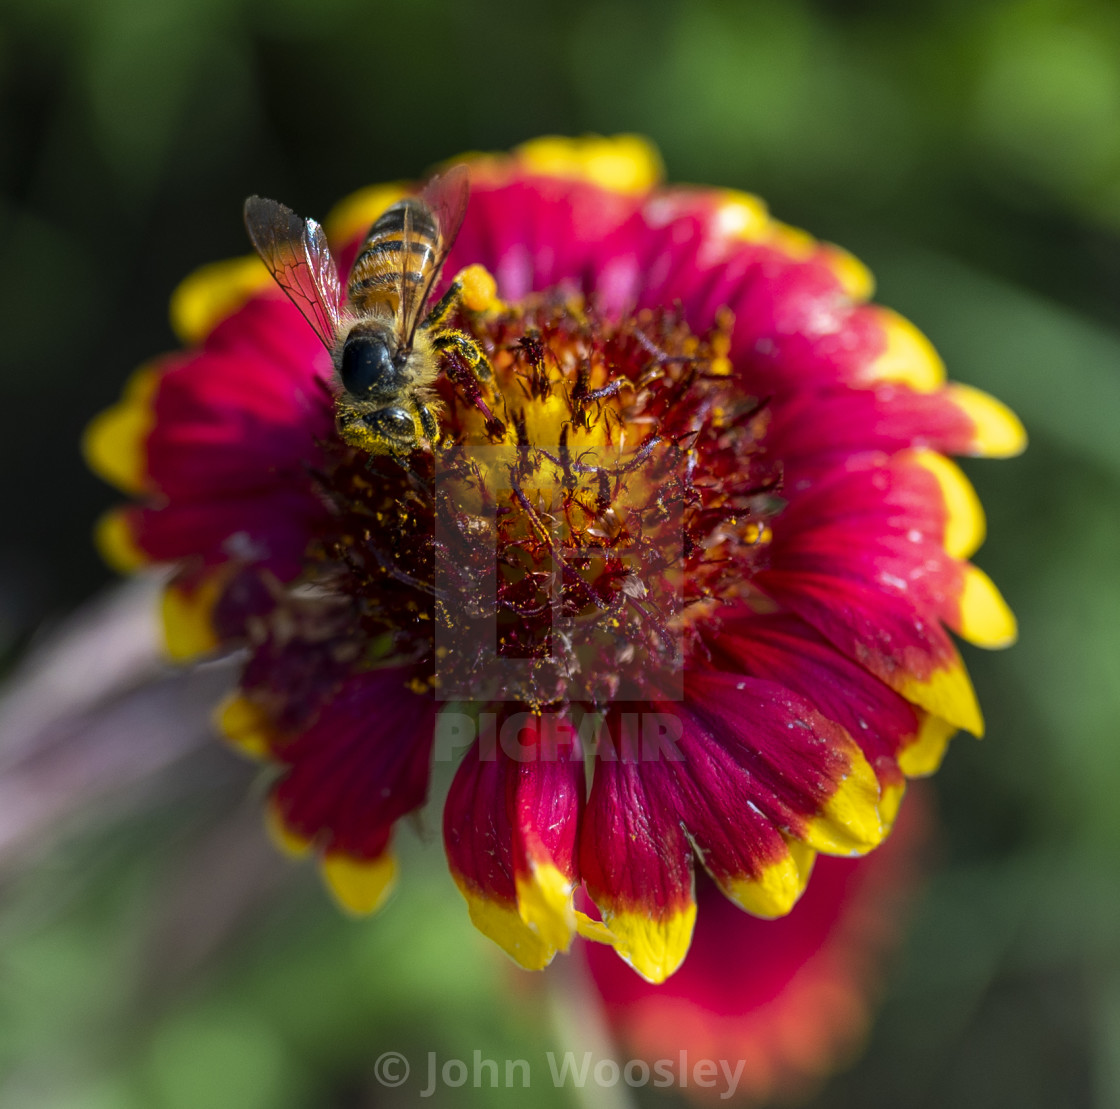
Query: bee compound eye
[367, 367]
[394, 423]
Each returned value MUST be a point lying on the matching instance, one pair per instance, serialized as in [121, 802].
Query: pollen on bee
[480, 290]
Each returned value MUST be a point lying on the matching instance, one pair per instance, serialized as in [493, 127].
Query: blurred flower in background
[784, 1002]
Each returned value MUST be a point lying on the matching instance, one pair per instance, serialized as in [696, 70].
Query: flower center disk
[585, 511]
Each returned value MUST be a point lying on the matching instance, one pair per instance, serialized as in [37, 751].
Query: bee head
[370, 366]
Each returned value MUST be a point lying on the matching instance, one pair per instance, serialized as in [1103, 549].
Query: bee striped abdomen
[386, 260]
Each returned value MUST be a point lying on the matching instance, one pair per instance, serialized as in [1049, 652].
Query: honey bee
[385, 352]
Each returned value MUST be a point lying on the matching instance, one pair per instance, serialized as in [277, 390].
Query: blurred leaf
[223, 1057]
[1060, 372]
[1049, 96]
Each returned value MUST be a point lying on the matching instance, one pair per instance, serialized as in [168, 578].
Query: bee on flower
[671, 537]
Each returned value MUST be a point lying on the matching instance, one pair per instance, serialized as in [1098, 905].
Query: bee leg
[443, 306]
[429, 424]
[402, 460]
[468, 349]
[390, 431]
[473, 288]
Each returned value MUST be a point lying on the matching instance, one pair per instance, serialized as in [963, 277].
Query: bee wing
[445, 196]
[296, 254]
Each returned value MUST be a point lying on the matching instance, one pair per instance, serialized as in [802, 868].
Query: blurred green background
[967, 150]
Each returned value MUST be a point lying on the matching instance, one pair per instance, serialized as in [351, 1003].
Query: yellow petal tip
[780, 885]
[502, 923]
[743, 216]
[985, 618]
[890, 802]
[795, 242]
[244, 726]
[591, 929]
[115, 542]
[655, 946]
[850, 822]
[908, 358]
[354, 215]
[360, 886]
[544, 903]
[621, 163]
[965, 523]
[855, 278]
[290, 842]
[924, 754]
[114, 444]
[187, 627]
[946, 693]
[213, 292]
[998, 432]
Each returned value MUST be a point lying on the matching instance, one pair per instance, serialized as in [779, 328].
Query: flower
[693, 537]
[776, 1003]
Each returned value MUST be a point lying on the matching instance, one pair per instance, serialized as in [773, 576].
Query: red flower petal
[815, 432]
[510, 827]
[758, 755]
[538, 232]
[781, 648]
[270, 529]
[860, 557]
[359, 768]
[795, 326]
[636, 860]
[245, 412]
[235, 433]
